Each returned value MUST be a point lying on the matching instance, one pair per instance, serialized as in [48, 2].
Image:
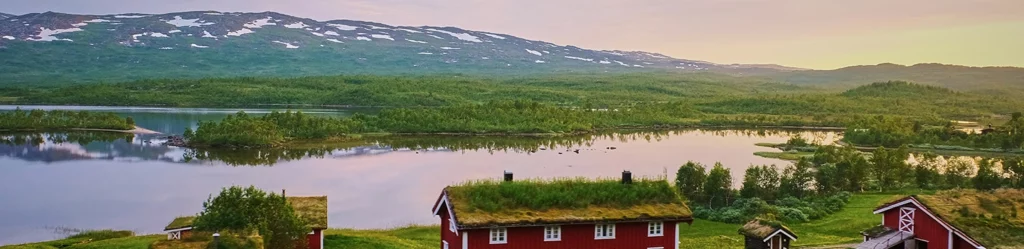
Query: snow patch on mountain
[621, 63]
[449, 48]
[335, 41]
[342, 26]
[534, 52]
[382, 36]
[438, 37]
[415, 41]
[331, 33]
[158, 35]
[9, 37]
[259, 23]
[206, 34]
[47, 35]
[298, 25]
[604, 62]
[286, 45]
[198, 46]
[97, 21]
[240, 32]
[174, 31]
[363, 38]
[317, 34]
[129, 16]
[410, 31]
[179, 22]
[539, 62]
[494, 36]
[166, 48]
[376, 27]
[579, 58]
[460, 36]
[427, 53]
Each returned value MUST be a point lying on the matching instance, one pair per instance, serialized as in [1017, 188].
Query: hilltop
[987, 80]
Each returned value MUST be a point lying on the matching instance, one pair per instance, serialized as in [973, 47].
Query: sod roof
[563, 201]
[761, 229]
[993, 218]
[311, 210]
[180, 222]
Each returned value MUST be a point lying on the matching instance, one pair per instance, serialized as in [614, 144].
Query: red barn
[909, 223]
[548, 214]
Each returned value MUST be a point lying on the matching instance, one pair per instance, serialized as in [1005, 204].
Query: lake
[117, 181]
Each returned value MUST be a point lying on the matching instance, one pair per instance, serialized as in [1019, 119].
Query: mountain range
[41, 49]
[52, 48]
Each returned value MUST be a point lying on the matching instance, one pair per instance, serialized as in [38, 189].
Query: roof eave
[688, 220]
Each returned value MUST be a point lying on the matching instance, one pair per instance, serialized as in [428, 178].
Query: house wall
[453, 239]
[925, 228]
[754, 243]
[313, 240]
[627, 235]
[960, 243]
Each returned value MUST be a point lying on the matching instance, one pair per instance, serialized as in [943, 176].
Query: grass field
[842, 227]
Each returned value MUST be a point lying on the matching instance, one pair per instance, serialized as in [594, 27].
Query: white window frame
[604, 231]
[445, 244]
[552, 233]
[499, 235]
[451, 226]
[655, 229]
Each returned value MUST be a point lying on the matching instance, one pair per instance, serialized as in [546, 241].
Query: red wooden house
[466, 223]
[910, 223]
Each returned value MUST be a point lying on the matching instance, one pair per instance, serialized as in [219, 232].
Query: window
[451, 226]
[655, 229]
[498, 235]
[552, 233]
[445, 244]
[604, 231]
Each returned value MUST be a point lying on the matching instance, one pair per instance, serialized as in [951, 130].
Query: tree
[718, 187]
[987, 178]
[189, 134]
[796, 179]
[761, 182]
[1014, 168]
[958, 172]
[690, 180]
[889, 167]
[926, 172]
[243, 211]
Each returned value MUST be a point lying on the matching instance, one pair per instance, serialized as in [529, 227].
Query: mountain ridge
[133, 46]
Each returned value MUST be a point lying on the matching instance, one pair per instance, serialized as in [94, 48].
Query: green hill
[985, 80]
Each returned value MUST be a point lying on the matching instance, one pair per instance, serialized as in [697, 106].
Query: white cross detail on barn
[174, 235]
[907, 219]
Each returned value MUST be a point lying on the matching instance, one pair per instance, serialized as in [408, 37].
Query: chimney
[508, 176]
[282, 193]
[627, 177]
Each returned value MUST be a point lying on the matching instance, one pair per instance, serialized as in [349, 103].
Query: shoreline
[137, 130]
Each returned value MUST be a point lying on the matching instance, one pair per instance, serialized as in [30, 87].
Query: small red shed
[566, 213]
[910, 223]
[764, 234]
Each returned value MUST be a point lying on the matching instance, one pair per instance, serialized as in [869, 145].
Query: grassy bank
[60, 120]
[842, 227]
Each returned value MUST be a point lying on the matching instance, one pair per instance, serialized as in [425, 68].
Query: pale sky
[820, 34]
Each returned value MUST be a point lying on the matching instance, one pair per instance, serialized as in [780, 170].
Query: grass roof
[576, 200]
[994, 218]
[760, 229]
[312, 210]
[180, 222]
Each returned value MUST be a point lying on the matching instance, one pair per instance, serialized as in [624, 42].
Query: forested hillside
[987, 80]
[707, 93]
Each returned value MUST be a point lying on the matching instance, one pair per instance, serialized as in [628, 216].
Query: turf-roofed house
[312, 210]
[764, 234]
[561, 213]
[954, 219]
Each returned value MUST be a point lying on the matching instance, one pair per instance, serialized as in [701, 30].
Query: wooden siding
[925, 228]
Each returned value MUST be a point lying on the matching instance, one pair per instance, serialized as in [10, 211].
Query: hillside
[5, 15]
[55, 48]
[989, 80]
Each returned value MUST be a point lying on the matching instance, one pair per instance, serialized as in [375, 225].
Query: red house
[566, 213]
[910, 223]
[311, 210]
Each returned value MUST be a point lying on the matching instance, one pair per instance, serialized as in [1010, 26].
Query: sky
[818, 34]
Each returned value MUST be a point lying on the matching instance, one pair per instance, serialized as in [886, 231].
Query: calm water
[115, 181]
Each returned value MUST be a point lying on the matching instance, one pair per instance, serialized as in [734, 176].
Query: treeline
[815, 187]
[498, 117]
[706, 93]
[39, 120]
[897, 131]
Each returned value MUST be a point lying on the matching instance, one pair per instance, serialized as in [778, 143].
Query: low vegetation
[995, 218]
[39, 120]
[897, 131]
